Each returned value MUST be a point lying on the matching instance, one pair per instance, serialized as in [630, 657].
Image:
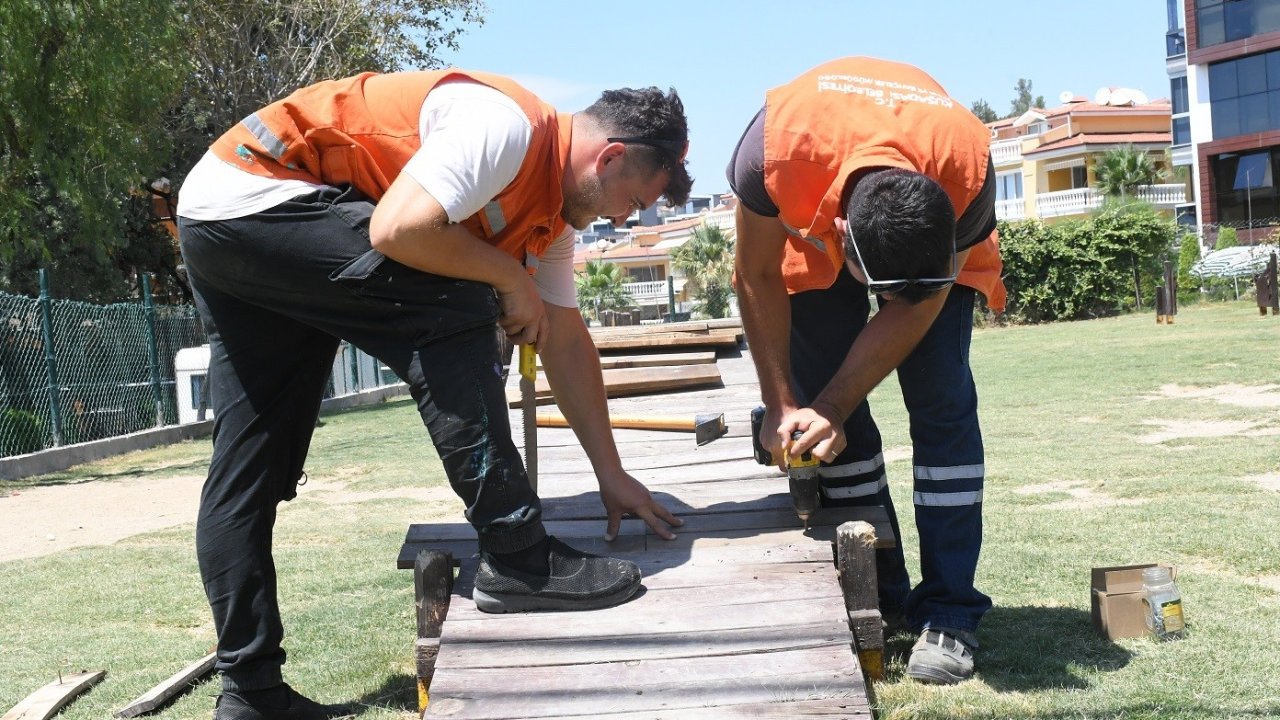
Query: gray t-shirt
[746, 178]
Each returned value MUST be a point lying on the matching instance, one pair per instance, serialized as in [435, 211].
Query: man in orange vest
[863, 175]
[408, 213]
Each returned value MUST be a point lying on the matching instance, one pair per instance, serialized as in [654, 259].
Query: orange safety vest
[362, 130]
[856, 113]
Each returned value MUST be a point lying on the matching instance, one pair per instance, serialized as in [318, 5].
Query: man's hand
[823, 430]
[624, 495]
[524, 317]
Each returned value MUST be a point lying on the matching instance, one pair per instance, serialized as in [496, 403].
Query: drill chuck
[803, 480]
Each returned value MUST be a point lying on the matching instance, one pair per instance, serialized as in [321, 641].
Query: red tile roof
[1141, 138]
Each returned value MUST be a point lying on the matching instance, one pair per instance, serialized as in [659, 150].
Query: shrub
[1227, 237]
[21, 432]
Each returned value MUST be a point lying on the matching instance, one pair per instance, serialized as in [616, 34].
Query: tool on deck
[803, 479]
[705, 427]
[528, 408]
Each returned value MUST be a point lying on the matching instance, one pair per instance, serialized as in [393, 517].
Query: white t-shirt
[474, 140]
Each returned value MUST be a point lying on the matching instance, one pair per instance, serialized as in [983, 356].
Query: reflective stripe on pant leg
[940, 491]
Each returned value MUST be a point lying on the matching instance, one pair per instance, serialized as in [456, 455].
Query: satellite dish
[1121, 97]
[1103, 96]
[1139, 97]
[1066, 96]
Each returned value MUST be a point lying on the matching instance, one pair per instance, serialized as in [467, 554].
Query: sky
[722, 55]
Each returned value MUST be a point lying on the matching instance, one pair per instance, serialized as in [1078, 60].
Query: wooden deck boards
[742, 616]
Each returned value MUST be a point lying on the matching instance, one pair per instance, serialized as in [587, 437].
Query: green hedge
[1078, 269]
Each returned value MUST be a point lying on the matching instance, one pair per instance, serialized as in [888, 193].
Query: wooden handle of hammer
[633, 422]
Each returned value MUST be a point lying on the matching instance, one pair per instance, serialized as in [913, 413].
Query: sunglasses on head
[675, 148]
[889, 287]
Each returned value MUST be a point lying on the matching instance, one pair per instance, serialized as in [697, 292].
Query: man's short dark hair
[905, 227]
[647, 114]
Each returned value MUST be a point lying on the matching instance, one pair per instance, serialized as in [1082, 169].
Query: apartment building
[1046, 159]
[1223, 60]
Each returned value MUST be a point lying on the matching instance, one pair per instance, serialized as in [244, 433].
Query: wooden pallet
[745, 614]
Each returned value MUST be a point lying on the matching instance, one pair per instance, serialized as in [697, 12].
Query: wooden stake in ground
[176, 683]
[48, 700]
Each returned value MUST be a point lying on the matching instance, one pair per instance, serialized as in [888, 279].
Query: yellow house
[644, 255]
[1046, 159]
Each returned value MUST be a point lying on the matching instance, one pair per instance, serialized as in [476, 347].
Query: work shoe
[578, 581]
[942, 656]
[278, 703]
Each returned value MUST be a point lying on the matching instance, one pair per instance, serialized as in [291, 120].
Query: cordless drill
[802, 472]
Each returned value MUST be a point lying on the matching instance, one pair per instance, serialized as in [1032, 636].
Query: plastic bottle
[1163, 604]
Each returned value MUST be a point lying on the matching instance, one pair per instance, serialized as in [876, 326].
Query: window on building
[1009, 186]
[1178, 95]
[1219, 21]
[1244, 185]
[1182, 131]
[1079, 177]
[1244, 94]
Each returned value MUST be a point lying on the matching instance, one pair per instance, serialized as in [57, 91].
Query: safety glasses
[928, 285]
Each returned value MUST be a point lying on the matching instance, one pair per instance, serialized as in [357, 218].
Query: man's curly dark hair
[648, 114]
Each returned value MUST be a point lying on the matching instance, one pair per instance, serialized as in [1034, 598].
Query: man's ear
[609, 159]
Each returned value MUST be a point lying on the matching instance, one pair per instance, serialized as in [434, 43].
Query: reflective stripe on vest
[272, 144]
[493, 214]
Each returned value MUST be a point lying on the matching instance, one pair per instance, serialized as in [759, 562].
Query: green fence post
[50, 359]
[153, 352]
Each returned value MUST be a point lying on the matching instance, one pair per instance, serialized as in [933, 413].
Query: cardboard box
[1117, 600]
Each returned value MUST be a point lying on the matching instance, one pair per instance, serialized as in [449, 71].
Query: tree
[82, 97]
[706, 260]
[1121, 171]
[1023, 100]
[983, 111]
[247, 53]
[600, 287]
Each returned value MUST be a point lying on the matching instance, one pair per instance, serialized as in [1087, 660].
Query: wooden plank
[657, 360]
[636, 381]
[847, 708]
[670, 341]
[48, 700]
[648, 685]
[176, 683]
[479, 650]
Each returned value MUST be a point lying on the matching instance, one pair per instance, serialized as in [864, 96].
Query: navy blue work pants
[276, 290]
[942, 403]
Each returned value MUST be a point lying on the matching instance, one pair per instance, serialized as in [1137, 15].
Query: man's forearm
[766, 318]
[572, 366]
[883, 344]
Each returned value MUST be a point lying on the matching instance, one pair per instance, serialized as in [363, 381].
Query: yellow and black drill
[802, 472]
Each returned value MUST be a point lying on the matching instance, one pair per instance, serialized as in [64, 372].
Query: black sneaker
[578, 581]
[278, 703]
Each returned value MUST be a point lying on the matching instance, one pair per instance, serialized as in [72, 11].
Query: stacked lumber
[661, 362]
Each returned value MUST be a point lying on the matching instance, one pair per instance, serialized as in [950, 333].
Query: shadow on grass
[1027, 648]
[399, 693]
[82, 476]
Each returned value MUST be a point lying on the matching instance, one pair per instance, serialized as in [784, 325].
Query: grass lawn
[1108, 442]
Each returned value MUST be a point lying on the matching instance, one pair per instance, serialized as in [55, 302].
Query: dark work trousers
[938, 390]
[276, 291]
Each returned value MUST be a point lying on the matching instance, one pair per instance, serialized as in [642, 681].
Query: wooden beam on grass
[48, 700]
[176, 683]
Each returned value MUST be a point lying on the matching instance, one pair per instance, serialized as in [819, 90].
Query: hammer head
[708, 427]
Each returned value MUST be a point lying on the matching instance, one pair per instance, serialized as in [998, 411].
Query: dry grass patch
[1187, 429]
[1083, 497]
[1252, 396]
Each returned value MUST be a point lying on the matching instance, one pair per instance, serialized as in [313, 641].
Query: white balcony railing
[646, 289]
[1082, 200]
[1015, 209]
[1006, 152]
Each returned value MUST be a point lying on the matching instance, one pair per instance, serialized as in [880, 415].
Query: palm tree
[1121, 171]
[706, 260]
[600, 287]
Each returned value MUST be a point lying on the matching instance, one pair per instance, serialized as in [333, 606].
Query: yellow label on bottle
[1172, 612]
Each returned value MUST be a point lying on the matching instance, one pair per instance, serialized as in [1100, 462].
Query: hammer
[705, 428]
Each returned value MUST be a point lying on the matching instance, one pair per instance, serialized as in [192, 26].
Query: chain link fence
[72, 372]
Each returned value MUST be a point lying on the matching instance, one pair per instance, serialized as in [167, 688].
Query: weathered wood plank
[636, 381]
[647, 685]
[657, 360]
[668, 341]
[846, 708]
[48, 700]
[165, 691]
[481, 650]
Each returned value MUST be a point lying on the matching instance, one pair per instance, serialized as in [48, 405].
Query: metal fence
[72, 371]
